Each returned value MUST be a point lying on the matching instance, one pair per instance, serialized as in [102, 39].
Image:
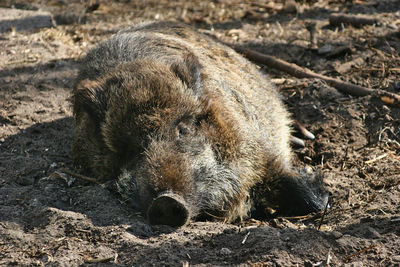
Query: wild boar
[184, 127]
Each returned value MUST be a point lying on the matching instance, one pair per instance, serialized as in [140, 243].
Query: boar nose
[168, 209]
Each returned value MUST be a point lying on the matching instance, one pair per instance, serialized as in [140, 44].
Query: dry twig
[269, 6]
[301, 217]
[328, 257]
[348, 258]
[80, 176]
[323, 214]
[311, 28]
[25, 60]
[300, 72]
[245, 237]
[375, 159]
[356, 20]
[98, 260]
[389, 98]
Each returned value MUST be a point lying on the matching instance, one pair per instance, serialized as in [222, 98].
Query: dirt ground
[49, 218]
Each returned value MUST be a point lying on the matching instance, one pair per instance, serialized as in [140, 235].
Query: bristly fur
[162, 108]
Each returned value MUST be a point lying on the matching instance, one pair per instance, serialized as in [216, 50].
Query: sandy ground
[48, 218]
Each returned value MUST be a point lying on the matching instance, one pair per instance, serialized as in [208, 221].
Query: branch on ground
[300, 72]
[356, 20]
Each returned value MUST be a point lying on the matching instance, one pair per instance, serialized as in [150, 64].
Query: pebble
[308, 170]
[225, 251]
[336, 234]
[396, 85]
[53, 165]
[325, 49]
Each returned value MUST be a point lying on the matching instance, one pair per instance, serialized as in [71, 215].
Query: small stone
[325, 49]
[396, 85]
[225, 251]
[308, 170]
[385, 108]
[372, 233]
[35, 202]
[47, 259]
[336, 234]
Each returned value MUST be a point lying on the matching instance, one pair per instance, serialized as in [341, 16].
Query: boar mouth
[168, 209]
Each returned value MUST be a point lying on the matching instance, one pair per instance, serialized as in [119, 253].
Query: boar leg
[297, 194]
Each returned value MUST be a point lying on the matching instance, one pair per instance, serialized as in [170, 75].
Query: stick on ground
[323, 214]
[389, 98]
[80, 176]
[348, 258]
[300, 72]
[356, 20]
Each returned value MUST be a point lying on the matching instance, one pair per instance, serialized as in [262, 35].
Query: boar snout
[168, 209]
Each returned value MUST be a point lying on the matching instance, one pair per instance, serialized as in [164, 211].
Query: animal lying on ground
[183, 127]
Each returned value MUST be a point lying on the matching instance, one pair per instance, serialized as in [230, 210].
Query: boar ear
[188, 70]
[89, 96]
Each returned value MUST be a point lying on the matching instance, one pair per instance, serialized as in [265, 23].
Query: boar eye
[183, 130]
